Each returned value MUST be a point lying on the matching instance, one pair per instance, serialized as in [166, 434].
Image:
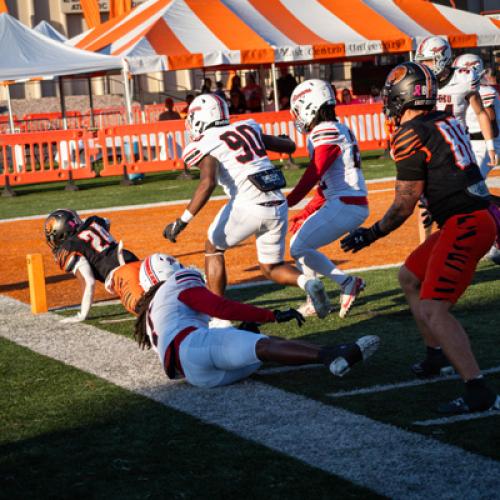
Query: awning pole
[275, 87]
[9, 105]
[262, 83]
[128, 102]
[411, 55]
[91, 102]
[63, 104]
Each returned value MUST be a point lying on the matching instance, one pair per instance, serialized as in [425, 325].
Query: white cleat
[347, 355]
[316, 291]
[349, 293]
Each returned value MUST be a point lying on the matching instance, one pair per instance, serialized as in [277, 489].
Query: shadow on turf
[21, 285]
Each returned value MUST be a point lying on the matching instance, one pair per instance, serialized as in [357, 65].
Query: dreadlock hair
[326, 113]
[142, 308]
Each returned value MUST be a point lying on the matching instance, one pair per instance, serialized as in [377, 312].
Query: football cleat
[436, 365]
[494, 255]
[321, 303]
[344, 356]
[307, 308]
[349, 293]
[459, 406]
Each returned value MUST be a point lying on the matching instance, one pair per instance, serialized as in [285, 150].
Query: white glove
[73, 319]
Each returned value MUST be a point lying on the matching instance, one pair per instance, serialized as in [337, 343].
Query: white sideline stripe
[386, 459]
[117, 320]
[162, 204]
[457, 418]
[400, 385]
[238, 286]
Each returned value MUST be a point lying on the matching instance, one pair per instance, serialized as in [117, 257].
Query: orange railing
[29, 158]
[149, 147]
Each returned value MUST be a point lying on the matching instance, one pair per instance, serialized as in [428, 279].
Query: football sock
[478, 396]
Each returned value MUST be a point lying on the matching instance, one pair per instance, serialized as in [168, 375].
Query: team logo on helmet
[397, 74]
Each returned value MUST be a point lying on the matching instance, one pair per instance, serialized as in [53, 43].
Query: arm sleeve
[203, 300]
[322, 159]
[88, 293]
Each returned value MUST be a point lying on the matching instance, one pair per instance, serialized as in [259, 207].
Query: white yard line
[386, 459]
[401, 385]
[457, 418]
[161, 204]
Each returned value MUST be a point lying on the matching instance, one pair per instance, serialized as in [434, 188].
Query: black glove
[426, 215]
[289, 315]
[250, 326]
[173, 229]
[361, 238]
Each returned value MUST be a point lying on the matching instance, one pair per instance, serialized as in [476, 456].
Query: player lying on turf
[340, 204]
[173, 320]
[87, 249]
[234, 155]
[434, 158]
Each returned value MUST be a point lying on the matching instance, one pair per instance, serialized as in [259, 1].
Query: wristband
[377, 231]
[490, 145]
[187, 216]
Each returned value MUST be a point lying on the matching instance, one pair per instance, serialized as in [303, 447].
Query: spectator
[374, 95]
[169, 113]
[253, 94]
[220, 90]
[189, 100]
[207, 86]
[286, 84]
[237, 103]
[346, 97]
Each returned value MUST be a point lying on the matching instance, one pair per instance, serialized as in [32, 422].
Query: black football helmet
[409, 85]
[60, 225]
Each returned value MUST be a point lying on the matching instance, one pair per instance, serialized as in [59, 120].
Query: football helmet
[408, 85]
[206, 110]
[60, 225]
[306, 100]
[157, 267]
[436, 49]
[470, 61]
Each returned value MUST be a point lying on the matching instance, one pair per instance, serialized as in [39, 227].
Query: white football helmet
[157, 267]
[470, 61]
[436, 49]
[206, 110]
[306, 100]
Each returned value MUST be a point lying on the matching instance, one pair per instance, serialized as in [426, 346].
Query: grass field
[104, 192]
[86, 414]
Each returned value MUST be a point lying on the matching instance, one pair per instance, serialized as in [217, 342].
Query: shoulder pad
[325, 133]
[195, 151]
[66, 259]
[189, 278]
[405, 142]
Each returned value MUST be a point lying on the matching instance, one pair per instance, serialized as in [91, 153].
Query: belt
[476, 136]
[354, 200]
[274, 203]
[172, 360]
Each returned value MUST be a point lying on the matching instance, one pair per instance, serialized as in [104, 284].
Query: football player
[491, 104]
[234, 155]
[173, 320]
[458, 88]
[340, 204]
[86, 249]
[434, 157]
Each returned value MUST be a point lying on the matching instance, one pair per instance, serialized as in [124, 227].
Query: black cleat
[341, 358]
[434, 365]
[460, 406]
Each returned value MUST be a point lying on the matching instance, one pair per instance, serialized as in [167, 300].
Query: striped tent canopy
[181, 34]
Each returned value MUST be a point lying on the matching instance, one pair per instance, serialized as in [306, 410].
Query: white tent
[28, 54]
[49, 31]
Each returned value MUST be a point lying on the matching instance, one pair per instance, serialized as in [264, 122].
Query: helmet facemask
[206, 111]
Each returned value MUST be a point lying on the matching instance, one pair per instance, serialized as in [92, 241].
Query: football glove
[426, 215]
[250, 326]
[289, 315]
[173, 229]
[297, 221]
[361, 238]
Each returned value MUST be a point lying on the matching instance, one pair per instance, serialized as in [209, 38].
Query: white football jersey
[344, 177]
[240, 151]
[168, 316]
[453, 97]
[489, 95]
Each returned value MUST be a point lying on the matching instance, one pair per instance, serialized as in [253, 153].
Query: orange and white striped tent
[181, 34]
